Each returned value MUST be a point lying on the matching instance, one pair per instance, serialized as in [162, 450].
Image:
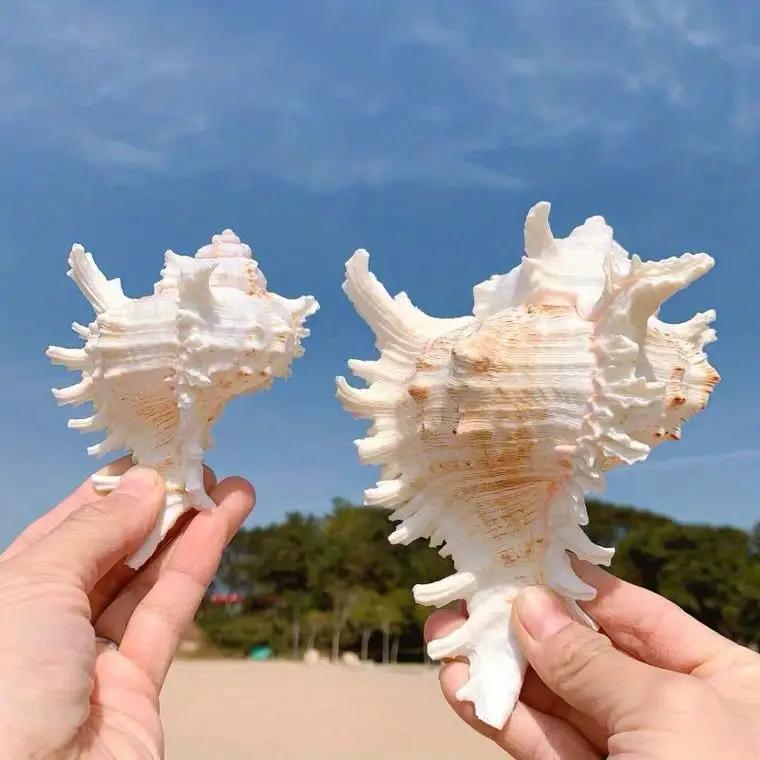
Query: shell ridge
[491, 429]
[618, 387]
[158, 370]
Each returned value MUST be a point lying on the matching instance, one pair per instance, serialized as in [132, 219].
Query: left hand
[63, 582]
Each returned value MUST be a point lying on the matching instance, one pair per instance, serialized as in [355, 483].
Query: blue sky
[422, 130]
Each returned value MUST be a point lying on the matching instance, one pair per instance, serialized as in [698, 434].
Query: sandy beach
[236, 710]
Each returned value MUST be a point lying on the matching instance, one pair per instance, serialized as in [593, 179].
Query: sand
[235, 710]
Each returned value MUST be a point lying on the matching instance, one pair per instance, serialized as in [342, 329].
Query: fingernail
[138, 480]
[541, 612]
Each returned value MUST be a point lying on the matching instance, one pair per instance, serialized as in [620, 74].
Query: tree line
[334, 583]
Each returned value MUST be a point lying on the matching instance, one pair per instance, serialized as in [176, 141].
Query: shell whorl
[225, 245]
[490, 429]
[160, 369]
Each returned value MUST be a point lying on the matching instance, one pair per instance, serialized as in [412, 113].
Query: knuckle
[118, 501]
[121, 509]
[92, 514]
[643, 635]
[575, 651]
[84, 522]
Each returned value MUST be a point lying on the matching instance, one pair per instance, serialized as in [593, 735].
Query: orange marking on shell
[418, 393]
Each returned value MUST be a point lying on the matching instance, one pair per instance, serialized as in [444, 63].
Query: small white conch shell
[160, 369]
[490, 429]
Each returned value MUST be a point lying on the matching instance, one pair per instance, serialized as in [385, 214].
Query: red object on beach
[219, 597]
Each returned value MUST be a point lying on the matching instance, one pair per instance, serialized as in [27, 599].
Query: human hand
[658, 686]
[63, 582]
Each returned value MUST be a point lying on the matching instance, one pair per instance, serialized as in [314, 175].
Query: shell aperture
[160, 369]
[490, 429]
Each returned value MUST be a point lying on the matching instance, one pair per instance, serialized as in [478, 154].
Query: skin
[63, 582]
[656, 684]
[653, 684]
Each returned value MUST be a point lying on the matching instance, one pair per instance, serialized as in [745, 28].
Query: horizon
[422, 133]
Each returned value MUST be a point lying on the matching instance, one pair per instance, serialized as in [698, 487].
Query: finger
[109, 586]
[92, 539]
[441, 623]
[645, 624]
[534, 693]
[527, 733]
[153, 632]
[114, 619]
[119, 576]
[580, 665]
[82, 495]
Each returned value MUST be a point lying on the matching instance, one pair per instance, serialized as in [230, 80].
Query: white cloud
[347, 94]
[100, 150]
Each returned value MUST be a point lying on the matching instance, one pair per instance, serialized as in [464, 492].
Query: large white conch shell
[159, 370]
[490, 429]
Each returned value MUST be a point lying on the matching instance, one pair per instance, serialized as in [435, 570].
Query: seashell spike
[160, 369]
[490, 429]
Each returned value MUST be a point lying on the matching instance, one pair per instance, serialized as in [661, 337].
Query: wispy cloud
[111, 152]
[699, 460]
[344, 94]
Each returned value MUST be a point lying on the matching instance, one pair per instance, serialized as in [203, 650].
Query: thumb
[579, 664]
[92, 539]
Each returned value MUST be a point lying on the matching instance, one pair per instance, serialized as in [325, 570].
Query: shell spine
[490, 429]
[160, 369]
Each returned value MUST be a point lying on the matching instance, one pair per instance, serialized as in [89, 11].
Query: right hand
[658, 686]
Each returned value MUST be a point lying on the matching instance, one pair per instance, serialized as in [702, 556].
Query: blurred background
[422, 131]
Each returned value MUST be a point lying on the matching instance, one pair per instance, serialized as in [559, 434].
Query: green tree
[337, 578]
[342, 598]
[391, 612]
[365, 615]
[316, 621]
[708, 571]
